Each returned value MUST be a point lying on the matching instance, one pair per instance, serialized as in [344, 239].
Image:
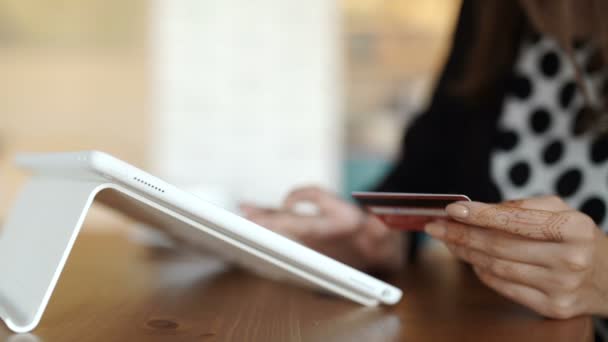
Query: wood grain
[115, 289]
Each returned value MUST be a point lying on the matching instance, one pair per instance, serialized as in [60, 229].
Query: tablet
[211, 227]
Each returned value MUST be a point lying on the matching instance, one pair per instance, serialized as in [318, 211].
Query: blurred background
[231, 99]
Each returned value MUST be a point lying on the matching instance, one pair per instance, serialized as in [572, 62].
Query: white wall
[246, 96]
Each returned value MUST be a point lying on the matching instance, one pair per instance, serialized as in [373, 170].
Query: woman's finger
[530, 223]
[519, 293]
[537, 277]
[497, 244]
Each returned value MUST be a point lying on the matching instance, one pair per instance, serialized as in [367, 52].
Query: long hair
[500, 26]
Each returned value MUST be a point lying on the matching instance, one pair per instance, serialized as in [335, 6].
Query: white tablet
[212, 227]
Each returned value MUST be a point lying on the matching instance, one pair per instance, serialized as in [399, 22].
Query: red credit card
[406, 211]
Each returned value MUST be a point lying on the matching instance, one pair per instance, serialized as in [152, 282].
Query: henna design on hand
[536, 224]
[517, 203]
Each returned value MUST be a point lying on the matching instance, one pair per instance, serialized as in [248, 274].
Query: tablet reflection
[23, 338]
[361, 324]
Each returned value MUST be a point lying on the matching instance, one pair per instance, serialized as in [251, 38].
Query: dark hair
[501, 24]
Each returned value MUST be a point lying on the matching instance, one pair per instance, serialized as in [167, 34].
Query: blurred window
[393, 51]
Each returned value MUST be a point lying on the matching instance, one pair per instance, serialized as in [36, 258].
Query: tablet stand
[36, 240]
[40, 231]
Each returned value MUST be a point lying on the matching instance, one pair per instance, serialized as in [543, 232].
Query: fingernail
[457, 210]
[435, 230]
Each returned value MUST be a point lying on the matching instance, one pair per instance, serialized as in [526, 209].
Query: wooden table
[115, 289]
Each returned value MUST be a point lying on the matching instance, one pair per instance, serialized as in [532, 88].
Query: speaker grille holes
[139, 180]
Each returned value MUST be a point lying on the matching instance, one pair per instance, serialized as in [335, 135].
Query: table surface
[115, 288]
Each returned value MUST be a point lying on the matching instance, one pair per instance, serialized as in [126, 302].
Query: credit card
[406, 211]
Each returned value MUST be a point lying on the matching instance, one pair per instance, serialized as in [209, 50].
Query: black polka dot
[566, 94]
[520, 86]
[540, 120]
[581, 121]
[553, 152]
[549, 64]
[519, 173]
[568, 183]
[506, 140]
[599, 149]
[594, 207]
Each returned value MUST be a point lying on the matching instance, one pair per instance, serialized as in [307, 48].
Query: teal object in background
[363, 173]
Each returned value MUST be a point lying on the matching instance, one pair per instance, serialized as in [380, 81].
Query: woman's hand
[538, 252]
[338, 229]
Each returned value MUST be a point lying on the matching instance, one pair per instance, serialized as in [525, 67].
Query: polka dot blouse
[542, 148]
